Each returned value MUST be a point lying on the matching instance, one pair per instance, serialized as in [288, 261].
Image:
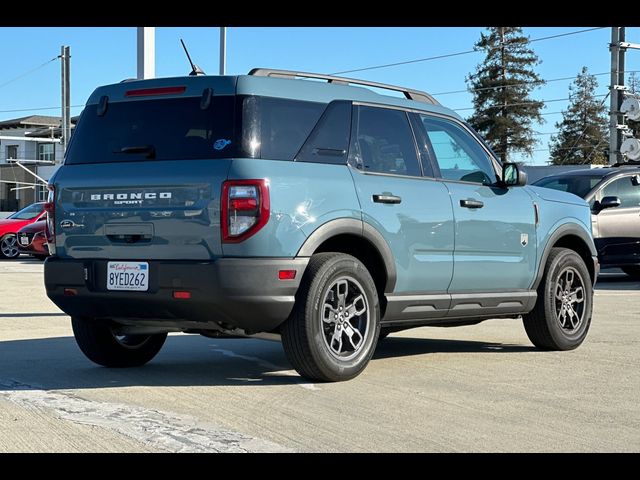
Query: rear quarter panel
[303, 197]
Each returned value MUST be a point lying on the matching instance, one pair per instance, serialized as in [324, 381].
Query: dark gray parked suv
[614, 196]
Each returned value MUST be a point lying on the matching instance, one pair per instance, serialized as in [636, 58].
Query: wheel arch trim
[567, 229]
[342, 226]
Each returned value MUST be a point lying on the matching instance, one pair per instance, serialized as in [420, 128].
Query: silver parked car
[614, 196]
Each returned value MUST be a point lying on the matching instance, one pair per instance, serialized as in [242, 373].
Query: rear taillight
[50, 208]
[244, 208]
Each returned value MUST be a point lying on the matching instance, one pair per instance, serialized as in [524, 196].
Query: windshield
[579, 185]
[166, 129]
[27, 213]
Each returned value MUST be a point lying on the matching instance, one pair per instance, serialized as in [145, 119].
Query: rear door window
[384, 142]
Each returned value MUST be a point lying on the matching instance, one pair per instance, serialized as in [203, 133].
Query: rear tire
[333, 329]
[100, 345]
[632, 271]
[561, 317]
[9, 246]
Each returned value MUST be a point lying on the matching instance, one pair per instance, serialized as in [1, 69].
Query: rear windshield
[28, 213]
[166, 129]
[178, 128]
[578, 185]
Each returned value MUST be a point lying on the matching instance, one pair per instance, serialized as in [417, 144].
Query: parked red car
[32, 240]
[10, 226]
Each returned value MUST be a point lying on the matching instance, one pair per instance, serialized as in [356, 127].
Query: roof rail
[416, 95]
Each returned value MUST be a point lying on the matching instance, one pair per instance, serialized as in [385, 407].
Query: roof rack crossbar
[410, 94]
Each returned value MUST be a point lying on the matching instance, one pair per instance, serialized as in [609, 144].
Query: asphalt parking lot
[475, 388]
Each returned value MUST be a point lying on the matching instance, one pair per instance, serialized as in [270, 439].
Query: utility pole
[223, 50]
[616, 87]
[617, 128]
[146, 52]
[65, 57]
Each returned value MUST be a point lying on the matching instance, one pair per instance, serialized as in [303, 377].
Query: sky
[101, 55]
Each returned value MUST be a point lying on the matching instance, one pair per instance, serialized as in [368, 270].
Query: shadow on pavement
[406, 346]
[188, 360]
[615, 279]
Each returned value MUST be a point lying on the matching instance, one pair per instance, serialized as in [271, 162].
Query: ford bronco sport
[304, 205]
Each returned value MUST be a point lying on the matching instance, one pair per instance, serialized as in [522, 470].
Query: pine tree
[634, 87]
[583, 135]
[501, 87]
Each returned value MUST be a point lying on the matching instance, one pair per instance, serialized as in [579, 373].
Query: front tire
[9, 246]
[561, 317]
[101, 345]
[333, 329]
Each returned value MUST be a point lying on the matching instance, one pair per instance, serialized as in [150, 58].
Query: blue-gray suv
[303, 205]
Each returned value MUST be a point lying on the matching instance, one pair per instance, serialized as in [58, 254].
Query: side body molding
[358, 228]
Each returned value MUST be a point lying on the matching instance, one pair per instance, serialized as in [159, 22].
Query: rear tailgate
[140, 210]
[143, 173]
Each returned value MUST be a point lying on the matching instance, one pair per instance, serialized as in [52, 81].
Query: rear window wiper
[150, 150]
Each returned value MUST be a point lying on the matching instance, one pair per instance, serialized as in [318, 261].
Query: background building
[34, 141]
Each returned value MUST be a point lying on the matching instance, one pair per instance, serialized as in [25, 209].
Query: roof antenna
[195, 70]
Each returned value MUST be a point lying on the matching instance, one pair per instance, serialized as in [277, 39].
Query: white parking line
[160, 430]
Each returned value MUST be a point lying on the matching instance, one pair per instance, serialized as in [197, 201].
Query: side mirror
[607, 202]
[512, 176]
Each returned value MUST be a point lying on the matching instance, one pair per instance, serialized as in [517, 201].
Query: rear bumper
[229, 292]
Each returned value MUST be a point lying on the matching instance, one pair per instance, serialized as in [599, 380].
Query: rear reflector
[70, 292]
[179, 294]
[144, 92]
[286, 274]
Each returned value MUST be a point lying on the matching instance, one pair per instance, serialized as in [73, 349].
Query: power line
[525, 103]
[407, 62]
[539, 39]
[466, 52]
[539, 82]
[36, 109]
[28, 72]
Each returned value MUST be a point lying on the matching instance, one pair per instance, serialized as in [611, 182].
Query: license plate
[24, 240]
[128, 276]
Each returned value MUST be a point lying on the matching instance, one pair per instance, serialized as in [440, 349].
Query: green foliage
[583, 135]
[503, 108]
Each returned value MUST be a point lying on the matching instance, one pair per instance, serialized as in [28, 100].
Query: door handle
[471, 203]
[392, 199]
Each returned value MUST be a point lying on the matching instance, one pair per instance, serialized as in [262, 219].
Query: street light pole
[223, 50]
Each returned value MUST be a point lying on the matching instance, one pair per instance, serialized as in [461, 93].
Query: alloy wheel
[9, 246]
[569, 299]
[345, 318]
